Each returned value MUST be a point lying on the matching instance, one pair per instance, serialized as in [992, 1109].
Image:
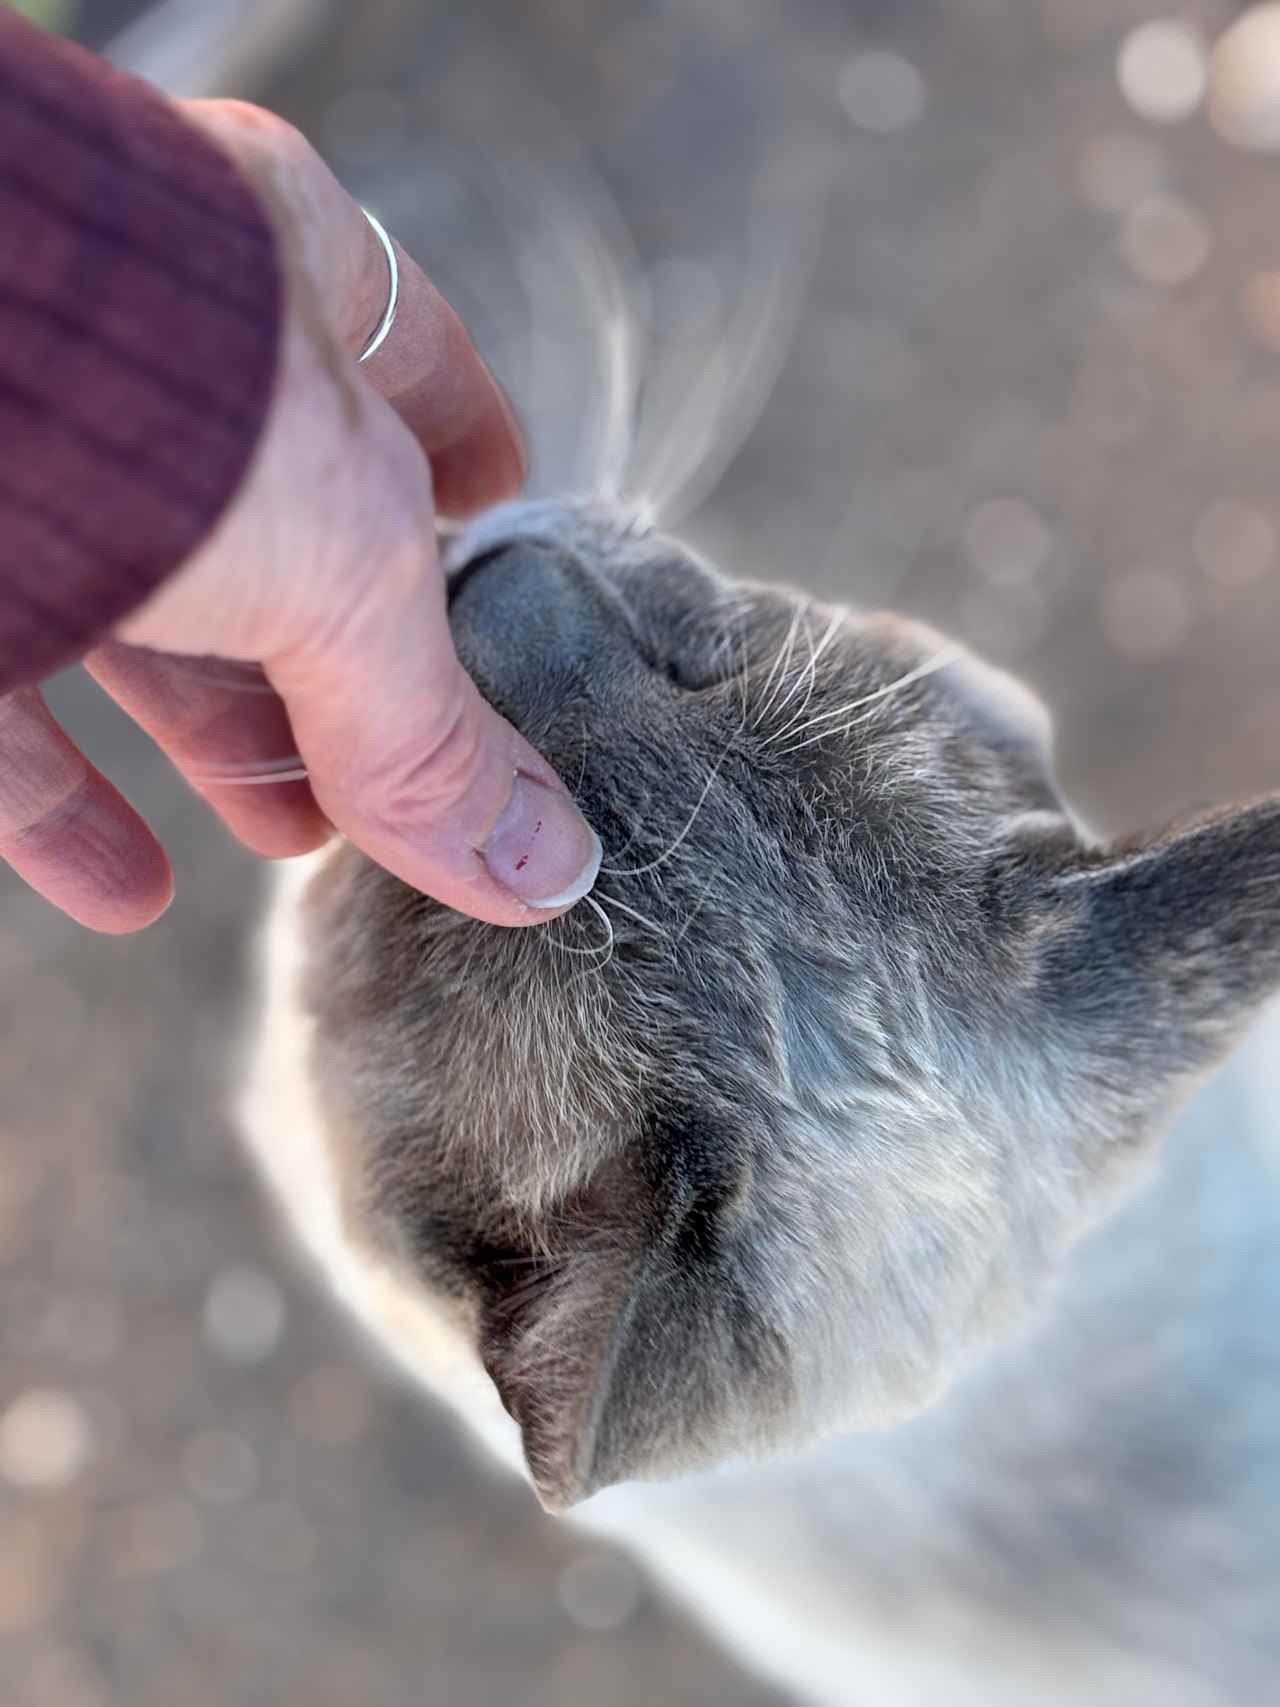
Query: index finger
[427, 369]
[431, 374]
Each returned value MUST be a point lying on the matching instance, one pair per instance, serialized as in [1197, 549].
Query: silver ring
[384, 325]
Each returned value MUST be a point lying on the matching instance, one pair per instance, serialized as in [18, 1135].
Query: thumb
[325, 571]
[412, 764]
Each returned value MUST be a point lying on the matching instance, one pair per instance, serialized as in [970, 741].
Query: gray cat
[785, 1134]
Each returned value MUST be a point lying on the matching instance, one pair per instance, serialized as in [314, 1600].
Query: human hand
[309, 632]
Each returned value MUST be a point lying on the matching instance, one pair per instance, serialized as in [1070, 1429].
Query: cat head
[857, 1029]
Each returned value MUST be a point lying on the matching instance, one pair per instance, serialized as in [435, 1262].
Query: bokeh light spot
[45, 1439]
[1007, 542]
[882, 92]
[1244, 81]
[1162, 70]
[243, 1315]
[1164, 240]
[599, 1591]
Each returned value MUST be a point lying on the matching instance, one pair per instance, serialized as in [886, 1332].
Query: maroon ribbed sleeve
[140, 309]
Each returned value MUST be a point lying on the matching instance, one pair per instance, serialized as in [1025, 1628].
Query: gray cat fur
[878, 1032]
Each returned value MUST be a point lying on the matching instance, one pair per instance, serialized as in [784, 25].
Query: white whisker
[744, 667]
[653, 864]
[778, 668]
[577, 264]
[806, 679]
[939, 661]
[606, 921]
[605, 948]
[810, 672]
[648, 924]
[701, 441]
[620, 391]
[833, 628]
[790, 694]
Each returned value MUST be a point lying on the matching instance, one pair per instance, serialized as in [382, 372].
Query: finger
[226, 730]
[428, 368]
[410, 762]
[430, 373]
[68, 832]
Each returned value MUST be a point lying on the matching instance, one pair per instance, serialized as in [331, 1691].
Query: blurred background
[971, 307]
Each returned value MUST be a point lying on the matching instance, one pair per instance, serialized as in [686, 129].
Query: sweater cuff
[141, 303]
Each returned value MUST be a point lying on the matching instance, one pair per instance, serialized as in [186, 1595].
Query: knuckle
[370, 578]
[427, 777]
[353, 599]
[252, 133]
[330, 243]
[40, 773]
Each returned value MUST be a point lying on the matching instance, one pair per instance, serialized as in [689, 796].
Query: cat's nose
[533, 620]
[533, 597]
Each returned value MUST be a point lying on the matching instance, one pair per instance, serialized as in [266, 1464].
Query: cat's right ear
[1151, 957]
[647, 1346]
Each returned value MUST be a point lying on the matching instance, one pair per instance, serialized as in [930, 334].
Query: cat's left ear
[1152, 956]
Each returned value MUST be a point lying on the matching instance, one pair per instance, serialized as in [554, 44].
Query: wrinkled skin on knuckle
[38, 774]
[367, 586]
[254, 135]
[429, 773]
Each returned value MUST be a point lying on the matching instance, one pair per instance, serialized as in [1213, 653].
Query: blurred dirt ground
[1032, 393]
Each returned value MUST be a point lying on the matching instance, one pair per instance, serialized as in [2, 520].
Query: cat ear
[1154, 956]
[1003, 705]
[644, 1352]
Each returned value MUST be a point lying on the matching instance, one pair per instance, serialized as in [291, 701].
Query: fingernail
[542, 850]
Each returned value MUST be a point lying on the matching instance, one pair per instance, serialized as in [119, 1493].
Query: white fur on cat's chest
[283, 1127]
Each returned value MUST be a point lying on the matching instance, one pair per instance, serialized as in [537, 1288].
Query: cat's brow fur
[876, 1031]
